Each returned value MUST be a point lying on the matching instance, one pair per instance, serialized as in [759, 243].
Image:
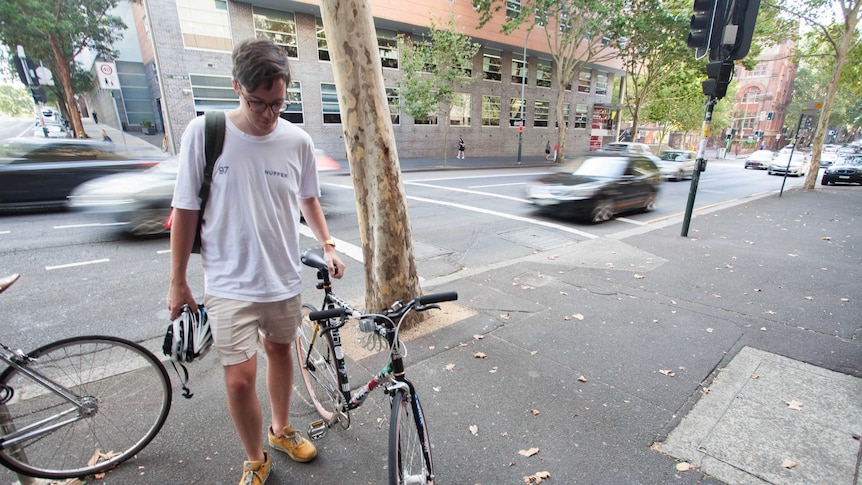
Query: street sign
[107, 74]
[521, 128]
[813, 106]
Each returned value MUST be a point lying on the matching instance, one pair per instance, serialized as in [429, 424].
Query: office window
[542, 113]
[759, 70]
[492, 64]
[601, 83]
[394, 105]
[519, 69]
[581, 116]
[490, 111]
[515, 113]
[513, 9]
[204, 24]
[294, 97]
[585, 80]
[212, 93]
[543, 73]
[459, 112]
[387, 42]
[429, 119]
[566, 109]
[751, 95]
[322, 47]
[329, 103]
[278, 26]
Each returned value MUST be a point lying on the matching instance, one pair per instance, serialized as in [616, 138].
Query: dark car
[847, 171]
[597, 186]
[40, 172]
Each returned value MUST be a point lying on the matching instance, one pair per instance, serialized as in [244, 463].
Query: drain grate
[537, 238]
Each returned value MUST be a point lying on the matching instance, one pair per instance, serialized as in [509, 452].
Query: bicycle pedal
[317, 430]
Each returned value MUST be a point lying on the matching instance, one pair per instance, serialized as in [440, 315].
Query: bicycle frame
[17, 360]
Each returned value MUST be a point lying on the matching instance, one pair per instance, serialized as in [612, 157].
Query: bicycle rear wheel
[124, 393]
[409, 443]
[317, 366]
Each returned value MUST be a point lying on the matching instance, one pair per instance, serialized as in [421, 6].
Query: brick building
[186, 46]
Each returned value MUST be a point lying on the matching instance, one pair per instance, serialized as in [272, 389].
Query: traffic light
[719, 74]
[703, 23]
[728, 138]
[770, 115]
[740, 26]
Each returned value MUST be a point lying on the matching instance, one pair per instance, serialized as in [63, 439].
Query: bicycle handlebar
[417, 304]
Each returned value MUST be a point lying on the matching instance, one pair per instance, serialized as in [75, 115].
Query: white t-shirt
[250, 235]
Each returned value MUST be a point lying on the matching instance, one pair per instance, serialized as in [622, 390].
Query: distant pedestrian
[95, 117]
[105, 137]
[548, 150]
[461, 148]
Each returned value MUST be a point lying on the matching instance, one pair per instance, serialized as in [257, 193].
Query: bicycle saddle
[312, 258]
[7, 281]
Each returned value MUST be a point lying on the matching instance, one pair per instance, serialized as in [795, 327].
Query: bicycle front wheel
[122, 398]
[409, 444]
[317, 366]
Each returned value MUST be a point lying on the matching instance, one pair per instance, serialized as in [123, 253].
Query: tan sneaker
[292, 443]
[255, 472]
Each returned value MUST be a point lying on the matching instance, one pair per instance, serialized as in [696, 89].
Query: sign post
[108, 79]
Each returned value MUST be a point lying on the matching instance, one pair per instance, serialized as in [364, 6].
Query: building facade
[763, 97]
[186, 52]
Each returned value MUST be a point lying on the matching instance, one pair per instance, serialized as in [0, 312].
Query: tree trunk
[561, 125]
[387, 245]
[66, 82]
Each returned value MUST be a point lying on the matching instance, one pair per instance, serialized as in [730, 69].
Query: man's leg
[279, 382]
[244, 406]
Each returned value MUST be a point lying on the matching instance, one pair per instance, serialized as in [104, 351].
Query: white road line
[519, 174]
[352, 251]
[5, 232]
[71, 265]
[630, 221]
[495, 185]
[163, 251]
[98, 224]
[474, 192]
[507, 216]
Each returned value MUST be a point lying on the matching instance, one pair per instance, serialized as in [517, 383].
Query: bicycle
[78, 406]
[165, 144]
[324, 371]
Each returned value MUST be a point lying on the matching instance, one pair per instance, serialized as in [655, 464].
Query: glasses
[260, 106]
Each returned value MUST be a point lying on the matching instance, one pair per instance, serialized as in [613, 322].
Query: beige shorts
[237, 326]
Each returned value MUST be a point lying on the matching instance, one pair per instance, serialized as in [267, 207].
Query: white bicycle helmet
[188, 338]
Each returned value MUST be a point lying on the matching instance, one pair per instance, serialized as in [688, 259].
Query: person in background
[461, 148]
[265, 178]
[95, 117]
[548, 150]
[105, 137]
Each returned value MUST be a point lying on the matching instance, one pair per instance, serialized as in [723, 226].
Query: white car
[759, 159]
[677, 164]
[827, 159]
[797, 166]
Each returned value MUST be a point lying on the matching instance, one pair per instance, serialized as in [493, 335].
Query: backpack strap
[214, 142]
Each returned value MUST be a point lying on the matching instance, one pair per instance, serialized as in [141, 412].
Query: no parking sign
[107, 74]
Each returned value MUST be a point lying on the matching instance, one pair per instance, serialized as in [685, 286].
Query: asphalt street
[731, 355]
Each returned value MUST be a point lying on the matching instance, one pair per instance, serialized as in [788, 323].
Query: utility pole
[523, 85]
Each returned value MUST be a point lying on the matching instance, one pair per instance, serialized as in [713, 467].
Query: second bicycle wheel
[317, 366]
[409, 443]
[122, 394]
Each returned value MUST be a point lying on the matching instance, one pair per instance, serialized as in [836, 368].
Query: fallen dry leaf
[683, 467]
[504, 316]
[478, 337]
[553, 257]
[809, 297]
[825, 238]
[845, 300]
[639, 276]
[709, 330]
[480, 355]
[493, 369]
[534, 352]
[528, 453]
[449, 367]
[582, 379]
[537, 478]
[536, 412]
[474, 430]
[794, 405]
[667, 372]
[787, 463]
[755, 376]
[578, 316]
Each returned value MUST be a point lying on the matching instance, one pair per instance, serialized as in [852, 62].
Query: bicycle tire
[126, 385]
[319, 375]
[409, 444]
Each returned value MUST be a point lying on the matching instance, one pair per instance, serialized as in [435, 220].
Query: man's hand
[179, 295]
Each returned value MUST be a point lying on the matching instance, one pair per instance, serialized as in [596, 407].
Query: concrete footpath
[732, 355]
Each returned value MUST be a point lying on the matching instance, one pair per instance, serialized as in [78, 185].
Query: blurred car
[828, 159]
[55, 129]
[797, 166]
[597, 186]
[42, 172]
[760, 159]
[628, 147]
[848, 171]
[677, 164]
[142, 200]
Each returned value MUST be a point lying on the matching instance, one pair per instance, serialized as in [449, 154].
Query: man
[264, 177]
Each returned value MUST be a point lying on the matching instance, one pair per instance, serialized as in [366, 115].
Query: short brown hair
[259, 61]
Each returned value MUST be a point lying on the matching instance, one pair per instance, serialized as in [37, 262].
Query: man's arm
[316, 221]
[184, 223]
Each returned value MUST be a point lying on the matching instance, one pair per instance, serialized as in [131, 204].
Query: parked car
[55, 129]
[828, 158]
[759, 159]
[142, 200]
[797, 166]
[848, 171]
[597, 186]
[42, 172]
[677, 164]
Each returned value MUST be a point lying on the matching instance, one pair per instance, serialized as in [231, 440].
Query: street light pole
[523, 85]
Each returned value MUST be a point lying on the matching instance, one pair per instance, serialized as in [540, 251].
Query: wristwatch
[329, 242]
